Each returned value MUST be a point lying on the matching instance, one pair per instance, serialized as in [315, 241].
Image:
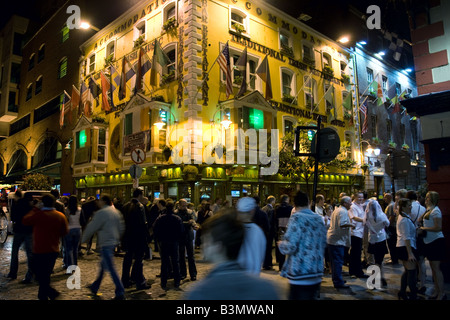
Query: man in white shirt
[356, 214]
[338, 237]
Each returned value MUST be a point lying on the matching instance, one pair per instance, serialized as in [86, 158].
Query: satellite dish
[329, 147]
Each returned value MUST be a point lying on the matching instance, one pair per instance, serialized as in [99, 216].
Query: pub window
[327, 60]
[41, 53]
[111, 49]
[289, 125]
[170, 12]
[140, 30]
[238, 21]
[38, 87]
[384, 85]
[163, 131]
[81, 138]
[171, 52]
[286, 44]
[287, 83]
[310, 90]
[369, 75]
[237, 74]
[343, 67]
[373, 121]
[128, 128]
[62, 68]
[91, 62]
[398, 88]
[101, 145]
[308, 54]
[329, 100]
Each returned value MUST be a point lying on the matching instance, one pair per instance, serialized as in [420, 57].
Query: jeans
[43, 264]
[107, 264]
[20, 238]
[337, 261]
[169, 262]
[186, 246]
[71, 242]
[137, 272]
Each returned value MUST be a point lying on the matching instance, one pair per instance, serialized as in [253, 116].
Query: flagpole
[312, 110]
[304, 82]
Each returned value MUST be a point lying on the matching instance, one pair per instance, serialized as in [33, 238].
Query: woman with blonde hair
[433, 238]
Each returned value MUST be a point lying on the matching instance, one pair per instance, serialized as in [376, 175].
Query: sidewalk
[88, 264]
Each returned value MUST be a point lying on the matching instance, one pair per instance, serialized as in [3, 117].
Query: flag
[395, 44]
[392, 92]
[86, 100]
[241, 64]
[264, 73]
[128, 74]
[115, 83]
[328, 96]
[402, 97]
[380, 94]
[160, 61]
[65, 108]
[225, 66]
[106, 86]
[347, 103]
[395, 101]
[94, 88]
[332, 114]
[75, 99]
[144, 66]
[364, 127]
[373, 87]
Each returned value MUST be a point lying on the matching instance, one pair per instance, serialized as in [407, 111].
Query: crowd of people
[310, 238]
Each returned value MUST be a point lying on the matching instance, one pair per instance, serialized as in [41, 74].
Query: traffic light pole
[297, 152]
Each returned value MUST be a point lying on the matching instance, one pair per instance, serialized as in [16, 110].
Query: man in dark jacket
[168, 229]
[22, 234]
[282, 215]
[270, 212]
[186, 242]
[135, 241]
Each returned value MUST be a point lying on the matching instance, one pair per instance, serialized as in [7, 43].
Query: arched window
[41, 53]
[38, 87]
[239, 21]
[18, 162]
[48, 152]
[62, 68]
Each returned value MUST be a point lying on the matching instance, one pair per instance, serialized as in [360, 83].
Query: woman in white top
[406, 247]
[72, 239]
[434, 248]
[376, 221]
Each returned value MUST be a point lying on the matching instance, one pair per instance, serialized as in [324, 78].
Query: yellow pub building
[179, 133]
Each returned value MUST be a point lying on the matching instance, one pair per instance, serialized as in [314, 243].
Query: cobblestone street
[14, 290]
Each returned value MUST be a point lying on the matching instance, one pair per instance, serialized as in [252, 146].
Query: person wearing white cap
[253, 249]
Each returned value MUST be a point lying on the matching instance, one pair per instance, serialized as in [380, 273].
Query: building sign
[307, 114]
[128, 22]
[214, 173]
[136, 140]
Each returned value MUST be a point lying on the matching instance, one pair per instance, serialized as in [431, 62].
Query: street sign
[329, 145]
[135, 171]
[138, 155]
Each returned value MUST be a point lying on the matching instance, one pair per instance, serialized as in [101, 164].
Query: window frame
[245, 21]
[38, 86]
[293, 81]
[41, 53]
[91, 63]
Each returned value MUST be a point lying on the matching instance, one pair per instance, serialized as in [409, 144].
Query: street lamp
[86, 25]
